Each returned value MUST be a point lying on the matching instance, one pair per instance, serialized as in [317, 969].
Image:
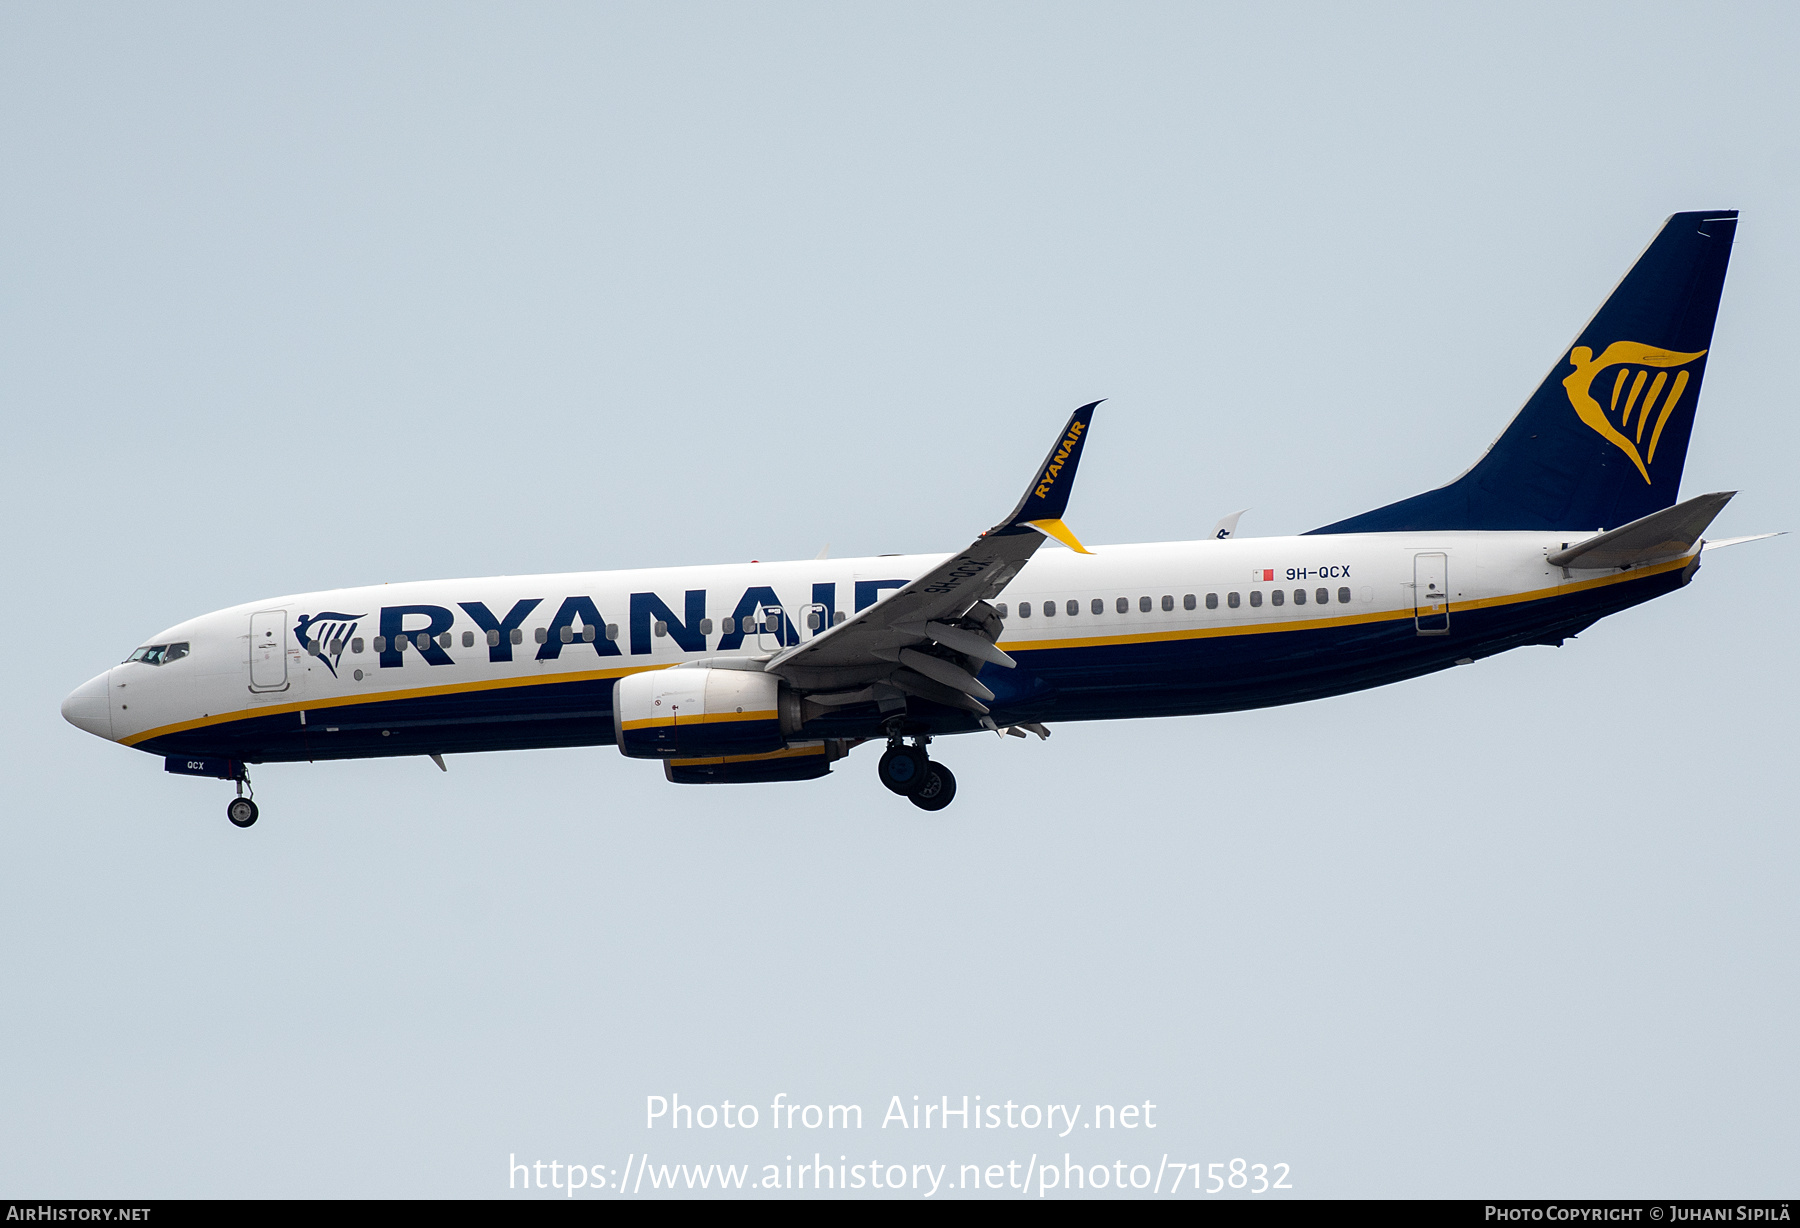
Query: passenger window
[468, 639]
[1024, 609]
[1275, 598]
[1000, 609]
[1231, 599]
[1049, 609]
[422, 640]
[566, 634]
[1123, 605]
[1343, 596]
[1143, 605]
[336, 648]
[612, 631]
[1212, 601]
[706, 626]
[588, 632]
[727, 624]
[661, 628]
[518, 635]
[840, 616]
[542, 634]
[1097, 606]
[1323, 596]
[1299, 596]
[493, 639]
[381, 643]
[1168, 603]
[1187, 602]
[178, 651]
[1256, 599]
[356, 645]
[445, 640]
[1074, 608]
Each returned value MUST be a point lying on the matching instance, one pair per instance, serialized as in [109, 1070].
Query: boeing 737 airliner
[775, 671]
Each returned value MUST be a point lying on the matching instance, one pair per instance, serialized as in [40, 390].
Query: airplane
[760, 672]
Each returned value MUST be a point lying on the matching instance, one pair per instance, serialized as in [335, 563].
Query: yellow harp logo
[1625, 355]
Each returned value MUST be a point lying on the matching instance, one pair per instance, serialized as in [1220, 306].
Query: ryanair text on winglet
[1062, 454]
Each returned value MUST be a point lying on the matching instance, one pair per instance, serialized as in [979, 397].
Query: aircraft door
[268, 650]
[1431, 594]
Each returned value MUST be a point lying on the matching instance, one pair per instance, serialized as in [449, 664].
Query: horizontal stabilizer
[1667, 534]
[1738, 541]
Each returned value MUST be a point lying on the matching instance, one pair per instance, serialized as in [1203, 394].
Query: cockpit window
[159, 654]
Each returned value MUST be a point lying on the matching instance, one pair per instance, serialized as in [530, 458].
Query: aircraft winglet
[947, 606]
[1047, 497]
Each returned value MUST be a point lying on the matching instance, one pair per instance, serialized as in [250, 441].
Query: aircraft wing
[931, 637]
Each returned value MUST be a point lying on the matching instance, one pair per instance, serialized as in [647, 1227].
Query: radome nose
[89, 707]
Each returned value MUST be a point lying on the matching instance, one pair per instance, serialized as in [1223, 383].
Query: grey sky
[337, 294]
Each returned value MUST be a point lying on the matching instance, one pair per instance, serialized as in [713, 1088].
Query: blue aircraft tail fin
[1602, 441]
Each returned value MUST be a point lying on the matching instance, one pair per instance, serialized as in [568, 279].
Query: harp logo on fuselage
[1628, 395]
[324, 635]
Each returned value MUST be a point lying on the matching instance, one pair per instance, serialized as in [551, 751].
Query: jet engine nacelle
[701, 711]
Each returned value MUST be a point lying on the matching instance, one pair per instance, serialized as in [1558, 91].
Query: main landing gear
[242, 810]
[908, 771]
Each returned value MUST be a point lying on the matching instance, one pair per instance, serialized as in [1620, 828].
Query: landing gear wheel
[938, 790]
[241, 812]
[903, 769]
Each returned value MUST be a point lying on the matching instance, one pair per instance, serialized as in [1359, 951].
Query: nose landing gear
[908, 771]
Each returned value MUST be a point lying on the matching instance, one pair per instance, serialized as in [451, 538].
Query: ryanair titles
[532, 624]
[1058, 457]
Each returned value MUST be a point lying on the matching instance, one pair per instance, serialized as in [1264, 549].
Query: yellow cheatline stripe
[1343, 620]
[1061, 532]
[713, 719]
[350, 701]
[797, 752]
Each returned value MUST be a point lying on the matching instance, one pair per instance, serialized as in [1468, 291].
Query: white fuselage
[247, 661]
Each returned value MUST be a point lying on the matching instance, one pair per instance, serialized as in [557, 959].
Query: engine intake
[696, 712]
